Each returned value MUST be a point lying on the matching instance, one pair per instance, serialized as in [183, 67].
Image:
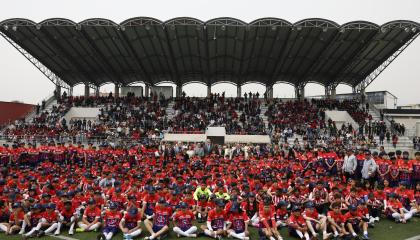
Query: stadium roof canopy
[184, 50]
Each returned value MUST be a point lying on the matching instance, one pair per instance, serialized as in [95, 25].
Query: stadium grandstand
[142, 163]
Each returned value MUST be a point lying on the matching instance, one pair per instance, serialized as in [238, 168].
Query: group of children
[119, 190]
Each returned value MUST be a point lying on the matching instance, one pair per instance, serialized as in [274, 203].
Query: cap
[220, 203]
[50, 206]
[91, 201]
[310, 205]
[352, 208]
[296, 208]
[113, 205]
[162, 200]
[36, 206]
[133, 211]
[183, 205]
[234, 208]
[16, 205]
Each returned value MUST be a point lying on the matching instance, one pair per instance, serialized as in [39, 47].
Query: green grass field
[385, 230]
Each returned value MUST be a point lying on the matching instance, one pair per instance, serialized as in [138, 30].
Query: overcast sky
[20, 80]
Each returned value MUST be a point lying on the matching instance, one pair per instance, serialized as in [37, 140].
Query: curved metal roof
[183, 50]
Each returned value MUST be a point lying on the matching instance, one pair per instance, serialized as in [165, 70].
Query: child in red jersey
[32, 219]
[355, 221]
[67, 216]
[130, 223]
[183, 222]
[375, 207]
[268, 226]
[149, 203]
[297, 224]
[337, 220]
[281, 214]
[201, 208]
[396, 210]
[48, 219]
[250, 206]
[91, 218]
[4, 215]
[161, 218]
[216, 221]
[112, 219]
[15, 220]
[315, 221]
[237, 222]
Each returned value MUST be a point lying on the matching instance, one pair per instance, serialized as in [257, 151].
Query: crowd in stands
[328, 190]
[237, 115]
[136, 119]
[127, 117]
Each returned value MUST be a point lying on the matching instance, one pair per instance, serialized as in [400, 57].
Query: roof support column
[333, 92]
[300, 92]
[269, 91]
[178, 91]
[208, 90]
[117, 91]
[146, 90]
[239, 91]
[87, 89]
[327, 92]
[97, 91]
[71, 91]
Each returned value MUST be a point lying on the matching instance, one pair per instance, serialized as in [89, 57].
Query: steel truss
[373, 75]
[46, 71]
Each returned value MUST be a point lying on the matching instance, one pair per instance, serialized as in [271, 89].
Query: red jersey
[267, 218]
[405, 169]
[338, 217]
[131, 221]
[92, 214]
[353, 218]
[415, 164]
[50, 216]
[15, 218]
[68, 213]
[217, 219]
[184, 219]
[238, 221]
[112, 219]
[162, 216]
[296, 221]
[35, 217]
[395, 204]
[311, 214]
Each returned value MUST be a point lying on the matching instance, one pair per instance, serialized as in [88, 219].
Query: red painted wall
[10, 111]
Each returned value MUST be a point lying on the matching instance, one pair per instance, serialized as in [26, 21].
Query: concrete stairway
[404, 144]
[48, 108]
[264, 109]
[170, 111]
